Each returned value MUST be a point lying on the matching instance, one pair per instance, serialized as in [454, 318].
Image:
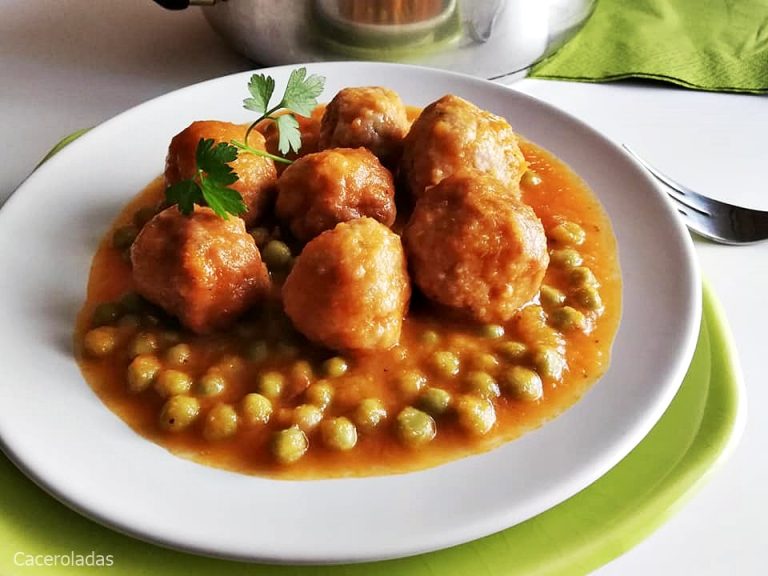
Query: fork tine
[681, 193]
[695, 220]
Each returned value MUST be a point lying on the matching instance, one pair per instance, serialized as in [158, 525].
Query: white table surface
[67, 64]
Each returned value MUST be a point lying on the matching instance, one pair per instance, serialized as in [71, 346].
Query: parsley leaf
[261, 88]
[210, 187]
[288, 133]
[186, 194]
[301, 92]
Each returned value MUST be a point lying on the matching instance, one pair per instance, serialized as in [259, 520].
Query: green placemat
[704, 44]
[575, 537]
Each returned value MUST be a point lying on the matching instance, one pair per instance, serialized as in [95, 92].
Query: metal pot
[489, 38]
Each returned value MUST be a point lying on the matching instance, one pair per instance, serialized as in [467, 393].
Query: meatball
[453, 134]
[474, 247]
[256, 174]
[349, 288]
[200, 268]
[309, 127]
[372, 117]
[320, 190]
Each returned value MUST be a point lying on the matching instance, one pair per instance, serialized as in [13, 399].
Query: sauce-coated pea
[549, 362]
[271, 384]
[106, 313]
[307, 416]
[484, 361]
[220, 422]
[370, 413]
[514, 351]
[339, 433]
[320, 394]
[415, 427]
[430, 337]
[523, 384]
[172, 383]
[492, 331]
[335, 367]
[435, 401]
[483, 384]
[178, 413]
[566, 258]
[411, 382]
[124, 237]
[142, 372]
[143, 343]
[476, 415]
[257, 351]
[568, 233]
[211, 384]
[260, 236]
[446, 363]
[551, 297]
[179, 354]
[255, 409]
[289, 445]
[100, 341]
[277, 255]
[567, 319]
[582, 276]
[589, 298]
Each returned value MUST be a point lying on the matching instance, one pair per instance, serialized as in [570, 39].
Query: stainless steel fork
[718, 221]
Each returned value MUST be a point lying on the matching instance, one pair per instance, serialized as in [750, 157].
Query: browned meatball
[474, 247]
[200, 268]
[320, 190]
[372, 117]
[349, 288]
[453, 134]
[309, 127]
[256, 174]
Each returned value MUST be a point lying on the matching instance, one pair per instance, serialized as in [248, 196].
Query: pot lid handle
[181, 4]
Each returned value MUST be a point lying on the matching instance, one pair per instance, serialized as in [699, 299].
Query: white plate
[56, 429]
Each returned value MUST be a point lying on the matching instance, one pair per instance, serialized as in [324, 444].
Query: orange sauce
[561, 195]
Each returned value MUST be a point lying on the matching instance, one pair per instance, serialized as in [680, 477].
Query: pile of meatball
[467, 241]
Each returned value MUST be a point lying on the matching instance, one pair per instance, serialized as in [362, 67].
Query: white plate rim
[316, 540]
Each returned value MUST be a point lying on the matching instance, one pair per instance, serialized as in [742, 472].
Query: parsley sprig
[211, 184]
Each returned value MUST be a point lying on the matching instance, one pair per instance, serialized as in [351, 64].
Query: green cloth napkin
[702, 44]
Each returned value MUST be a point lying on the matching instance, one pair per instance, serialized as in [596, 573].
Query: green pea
[566, 258]
[286, 350]
[172, 383]
[143, 215]
[582, 276]
[289, 445]
[257, 351]
[476, 415]
[514, 351]
[170, 338]
[531, 178]
[492, 331]
[551, 297]
[568, 319]
[255, 409]
[260, 236]
[129, 321]
[133, 303]
[483, 384]
[430, 337]
[549, 362]
[320, 394]
[335, 367]
[370, 413]
[211, 384]
[568, 233]
[301, 375]
[124, 236]
[106, 314]
[339, 433]
[142, 372]
[484, 361]
[446, 363]
[143, 343]
[523, 384]
[271, 384]
[415, 427]
[277, 255]
[411, 382]
[220, 422]
[100, 341]
[589, 298]
[178, 355]
[435, 401]
[307, 416]
[178, 413]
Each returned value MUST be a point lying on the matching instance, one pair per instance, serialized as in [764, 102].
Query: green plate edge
[598, 524]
